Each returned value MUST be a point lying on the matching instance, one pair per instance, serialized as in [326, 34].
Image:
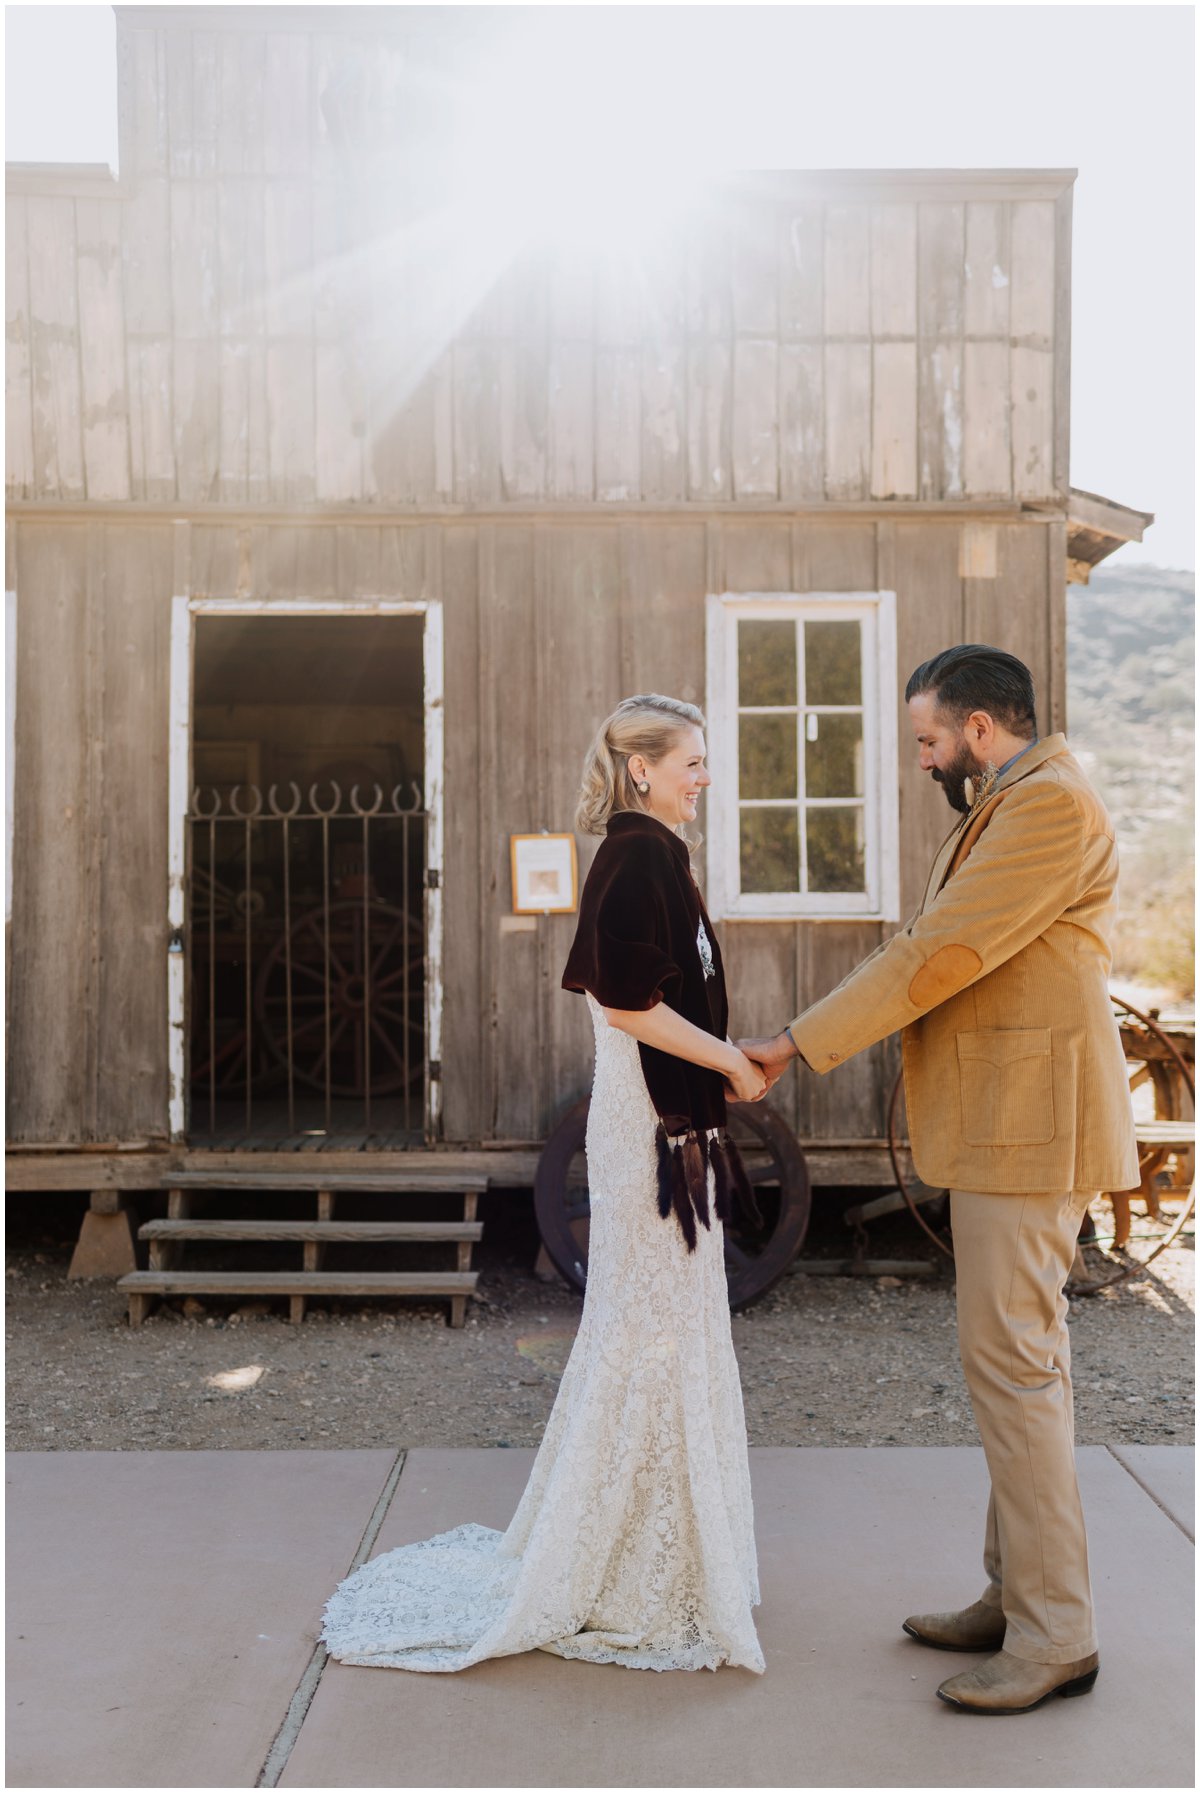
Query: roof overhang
[61, 180]
[1096, 528]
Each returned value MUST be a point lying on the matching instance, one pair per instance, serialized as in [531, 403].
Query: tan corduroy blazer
[1013, 1070]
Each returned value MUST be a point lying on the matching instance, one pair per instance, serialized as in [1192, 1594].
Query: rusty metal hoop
[901, 1184]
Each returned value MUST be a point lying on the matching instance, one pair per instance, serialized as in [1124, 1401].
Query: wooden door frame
[184, 611]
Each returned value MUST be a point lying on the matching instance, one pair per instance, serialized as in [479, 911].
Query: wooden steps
[142, 1285]
[320, 1178]
[345, 1232]
[167, 1239]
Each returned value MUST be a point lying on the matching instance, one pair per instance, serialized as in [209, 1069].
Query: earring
[644, 786]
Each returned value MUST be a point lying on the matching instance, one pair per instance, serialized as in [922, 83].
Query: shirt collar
[1019, 755]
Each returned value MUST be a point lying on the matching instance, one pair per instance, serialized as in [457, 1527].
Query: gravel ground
[826, 1360]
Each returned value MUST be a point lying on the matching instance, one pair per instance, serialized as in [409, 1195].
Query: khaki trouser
[1012, 1254]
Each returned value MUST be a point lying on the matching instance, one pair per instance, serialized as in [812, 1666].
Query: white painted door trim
[184, 611]
[10, 742]
[179, 784]
[435, 767]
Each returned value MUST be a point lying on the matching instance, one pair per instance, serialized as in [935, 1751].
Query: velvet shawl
[635, 946]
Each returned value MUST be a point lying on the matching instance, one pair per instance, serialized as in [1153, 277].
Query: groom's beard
[964, 765]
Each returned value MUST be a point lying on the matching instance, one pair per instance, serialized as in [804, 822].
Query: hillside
[1131, 719]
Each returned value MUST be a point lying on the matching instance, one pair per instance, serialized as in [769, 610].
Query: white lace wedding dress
[634, 1539]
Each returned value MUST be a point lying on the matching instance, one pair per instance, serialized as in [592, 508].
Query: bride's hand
[744, 1080]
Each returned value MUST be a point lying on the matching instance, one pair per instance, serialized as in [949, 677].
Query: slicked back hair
[974, 677]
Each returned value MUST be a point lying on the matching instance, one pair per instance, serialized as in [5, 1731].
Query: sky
[1106, 89]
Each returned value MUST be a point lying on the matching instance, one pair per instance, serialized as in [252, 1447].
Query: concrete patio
[163, 1612]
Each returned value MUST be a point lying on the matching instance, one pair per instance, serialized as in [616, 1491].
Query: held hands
[771, 1055]
[744, 1080]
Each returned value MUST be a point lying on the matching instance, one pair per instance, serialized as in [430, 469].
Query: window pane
[833, 761]
[835, 849]
[767, 756]
[766, 663]
[833, 663]
[770, 849]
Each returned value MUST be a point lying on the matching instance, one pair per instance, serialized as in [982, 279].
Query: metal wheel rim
[748, 1280]
[1089, 1288]
[381, 1085]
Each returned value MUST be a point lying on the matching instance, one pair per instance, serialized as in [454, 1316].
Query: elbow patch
[943, 974]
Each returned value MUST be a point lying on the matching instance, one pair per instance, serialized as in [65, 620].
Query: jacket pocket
[1005, 1086]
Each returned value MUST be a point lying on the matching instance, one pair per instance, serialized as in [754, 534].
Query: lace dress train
[634, 1539]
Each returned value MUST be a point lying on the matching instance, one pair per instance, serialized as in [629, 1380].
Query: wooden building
[313, 483]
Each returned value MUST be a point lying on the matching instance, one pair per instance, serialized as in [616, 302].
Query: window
[803, 809]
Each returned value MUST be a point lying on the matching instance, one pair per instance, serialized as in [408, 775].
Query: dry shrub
[1156, 932]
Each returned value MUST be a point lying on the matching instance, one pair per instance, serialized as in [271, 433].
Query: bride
[634, 1539]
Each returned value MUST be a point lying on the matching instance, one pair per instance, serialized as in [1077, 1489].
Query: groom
[1018, 1103]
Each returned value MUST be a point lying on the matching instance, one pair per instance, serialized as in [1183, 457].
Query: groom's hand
[774, 1053]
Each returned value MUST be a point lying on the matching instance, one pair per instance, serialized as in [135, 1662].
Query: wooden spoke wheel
[1161, 1084]
[222, 1058]
[372, 959]
[755, 1257]
[1151, 1067]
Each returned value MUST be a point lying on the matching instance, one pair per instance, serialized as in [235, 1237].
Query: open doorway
[307, 996]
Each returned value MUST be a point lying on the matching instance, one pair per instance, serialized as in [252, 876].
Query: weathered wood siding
[87, 1020]
[280, 336]
[264, 389]
[547, 624]
[281, 305]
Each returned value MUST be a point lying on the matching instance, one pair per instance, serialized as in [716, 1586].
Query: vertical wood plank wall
[87, 1022]
[548, 624]
[268, 313]
[262, 339]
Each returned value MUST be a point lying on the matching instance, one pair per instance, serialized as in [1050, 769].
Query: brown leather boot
[1007, 1684]
[976, 1627]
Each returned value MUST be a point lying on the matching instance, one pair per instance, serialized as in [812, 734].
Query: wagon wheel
[1147, 1045]
[1163, 1079]
[226, 905]
[376, 956]
[1153, 1059]
[224, 1058]
[755, 1258]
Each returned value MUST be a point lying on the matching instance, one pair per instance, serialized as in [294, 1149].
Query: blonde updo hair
[650, 725]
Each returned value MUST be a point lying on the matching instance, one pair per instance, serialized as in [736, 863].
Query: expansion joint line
[302, 1699]
[1147, 1489]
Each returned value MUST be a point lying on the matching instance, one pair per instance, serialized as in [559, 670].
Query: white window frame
[881, 797]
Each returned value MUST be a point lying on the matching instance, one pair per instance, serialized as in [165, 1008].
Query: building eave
[61, 180]
[1096, 528]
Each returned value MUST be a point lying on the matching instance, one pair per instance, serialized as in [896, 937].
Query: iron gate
[307, 959]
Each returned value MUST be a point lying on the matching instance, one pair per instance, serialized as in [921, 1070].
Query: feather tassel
[662, 1146]
[695, 1169]
[722, 1179]
[681, 1199]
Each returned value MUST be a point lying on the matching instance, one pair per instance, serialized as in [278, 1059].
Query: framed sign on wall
[545, 874]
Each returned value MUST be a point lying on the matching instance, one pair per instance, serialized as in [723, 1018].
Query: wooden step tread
[398, 1182]
[298, 1282]
[329, 1231]
[1165, 1133]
